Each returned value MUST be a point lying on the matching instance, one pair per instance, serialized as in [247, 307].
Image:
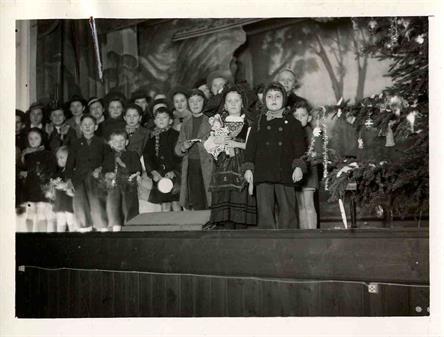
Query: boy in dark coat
[59, 132]
[96, 108]
[114, 121]
[122, 169]
[83, 167]
[77, 108]
[137, 134]
[274, 148]
[161, 160]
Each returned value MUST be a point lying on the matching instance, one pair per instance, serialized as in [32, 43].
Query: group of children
[83, 173]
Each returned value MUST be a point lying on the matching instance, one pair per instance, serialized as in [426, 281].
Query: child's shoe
[85, 229]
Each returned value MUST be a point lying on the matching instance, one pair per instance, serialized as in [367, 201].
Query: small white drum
[165, 185]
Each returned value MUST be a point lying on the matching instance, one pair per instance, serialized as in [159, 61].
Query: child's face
[217, 85]
[96, 110]
[18, 124]
[57, 117]
[180, 102]
[162, 120]
[118, 142]
[301, 114]
[274, 100]
[142, 102]
[36, 116]
[76, 108]
[34, 139]
[132, 117]
[287, 79]
[62, 156]
[87, 126]
[196, 103]
[233, 103]
[205, 90]
[115, 109]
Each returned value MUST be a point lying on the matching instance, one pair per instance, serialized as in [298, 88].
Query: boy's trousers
[267, 195]
[89, 205]
[122, 204]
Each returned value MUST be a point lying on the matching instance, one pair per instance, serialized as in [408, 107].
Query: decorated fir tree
[392, 178]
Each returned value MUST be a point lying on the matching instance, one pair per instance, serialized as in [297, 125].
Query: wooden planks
[133, 295]
[241, 274]
[368, 255]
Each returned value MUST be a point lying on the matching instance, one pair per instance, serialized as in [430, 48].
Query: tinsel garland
[325, 154]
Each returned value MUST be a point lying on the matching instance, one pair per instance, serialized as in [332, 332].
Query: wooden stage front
[223, 273]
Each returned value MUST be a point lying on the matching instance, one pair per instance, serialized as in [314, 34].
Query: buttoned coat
[274, 150]
[83, 158]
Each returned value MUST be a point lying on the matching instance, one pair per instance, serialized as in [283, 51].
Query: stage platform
[168, 221]
[223, 273]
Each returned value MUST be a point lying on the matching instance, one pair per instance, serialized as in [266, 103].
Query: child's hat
[138, 94]
[115, 96]
[36, 105]
[289, 70]
[93, 100]
[178, 90]
[77, 98]
[156, 104]
[278, 87]
[197, 92]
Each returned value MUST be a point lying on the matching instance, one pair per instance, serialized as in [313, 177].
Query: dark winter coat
[274, 149]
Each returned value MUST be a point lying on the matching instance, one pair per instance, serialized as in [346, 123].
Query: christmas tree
[394, 180]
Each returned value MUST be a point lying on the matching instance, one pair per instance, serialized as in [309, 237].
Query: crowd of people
[242, 153]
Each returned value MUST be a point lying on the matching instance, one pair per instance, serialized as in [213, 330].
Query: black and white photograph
[222, 167]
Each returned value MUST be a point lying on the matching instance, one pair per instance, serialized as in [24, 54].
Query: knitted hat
[197, 92]
[278, 87]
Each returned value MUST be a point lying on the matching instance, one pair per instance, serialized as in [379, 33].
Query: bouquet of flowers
[58, 184]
